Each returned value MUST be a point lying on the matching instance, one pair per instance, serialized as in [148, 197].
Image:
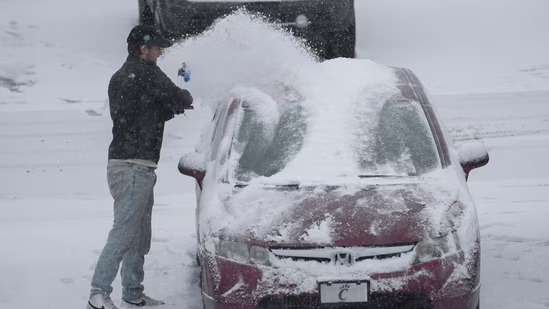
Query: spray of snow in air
[241, 49]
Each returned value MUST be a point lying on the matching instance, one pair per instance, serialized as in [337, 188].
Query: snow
[485, 63]
[260, 102]
[470, 151]
[320, 232]
[332, 92]
[193, 160]
[231, 48]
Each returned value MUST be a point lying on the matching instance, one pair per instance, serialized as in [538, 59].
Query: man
[141, 98]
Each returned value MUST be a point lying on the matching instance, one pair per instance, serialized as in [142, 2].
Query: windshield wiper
[290, 185]
[382, 176]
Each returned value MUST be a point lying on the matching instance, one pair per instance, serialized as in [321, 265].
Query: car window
[265, 151]
[218, 132]
[213, 126]
[207, 135]
[403, 142]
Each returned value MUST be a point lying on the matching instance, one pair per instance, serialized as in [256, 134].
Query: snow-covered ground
[486, 64]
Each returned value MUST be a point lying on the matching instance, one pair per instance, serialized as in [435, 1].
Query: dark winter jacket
[141, 99]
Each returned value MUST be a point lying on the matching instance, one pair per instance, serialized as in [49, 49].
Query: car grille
[377, 301]
[342, 255]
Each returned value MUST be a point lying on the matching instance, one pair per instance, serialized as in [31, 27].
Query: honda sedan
[335, 194]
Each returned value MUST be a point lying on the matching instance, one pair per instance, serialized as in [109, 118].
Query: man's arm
[175, 98]
[184, 96]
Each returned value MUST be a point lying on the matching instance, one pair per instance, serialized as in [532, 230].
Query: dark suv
[327, 25]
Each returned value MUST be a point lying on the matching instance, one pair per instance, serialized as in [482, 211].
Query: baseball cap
[147, 35]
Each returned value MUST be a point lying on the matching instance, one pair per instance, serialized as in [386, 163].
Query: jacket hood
[372, 215]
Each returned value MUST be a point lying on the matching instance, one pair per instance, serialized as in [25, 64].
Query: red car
[359, 203]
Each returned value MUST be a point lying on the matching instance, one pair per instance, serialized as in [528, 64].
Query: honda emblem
[343, 259]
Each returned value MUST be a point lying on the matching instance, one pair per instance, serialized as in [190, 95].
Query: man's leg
[130, 186]
[132, 265]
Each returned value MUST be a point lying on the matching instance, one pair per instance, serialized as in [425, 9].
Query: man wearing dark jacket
[141, 98]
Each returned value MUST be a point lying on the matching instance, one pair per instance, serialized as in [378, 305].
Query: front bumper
[442, 283]
[187, 18]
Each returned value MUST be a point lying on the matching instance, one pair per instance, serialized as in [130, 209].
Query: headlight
[243, 253]
[259, 255]
[431, 249]
[234, 251]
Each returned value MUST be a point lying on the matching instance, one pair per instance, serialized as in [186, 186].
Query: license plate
[344, 291]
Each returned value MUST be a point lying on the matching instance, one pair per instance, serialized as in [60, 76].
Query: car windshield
[264, 150]
[399, 143]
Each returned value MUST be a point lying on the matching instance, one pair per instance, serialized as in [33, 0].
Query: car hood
[339, 216]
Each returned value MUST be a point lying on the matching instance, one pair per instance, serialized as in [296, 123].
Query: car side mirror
[193, 164]
[472, 155]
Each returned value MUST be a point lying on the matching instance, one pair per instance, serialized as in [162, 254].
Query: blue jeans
[129, 240]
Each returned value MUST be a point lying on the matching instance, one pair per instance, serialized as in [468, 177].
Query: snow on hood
[374, 214]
